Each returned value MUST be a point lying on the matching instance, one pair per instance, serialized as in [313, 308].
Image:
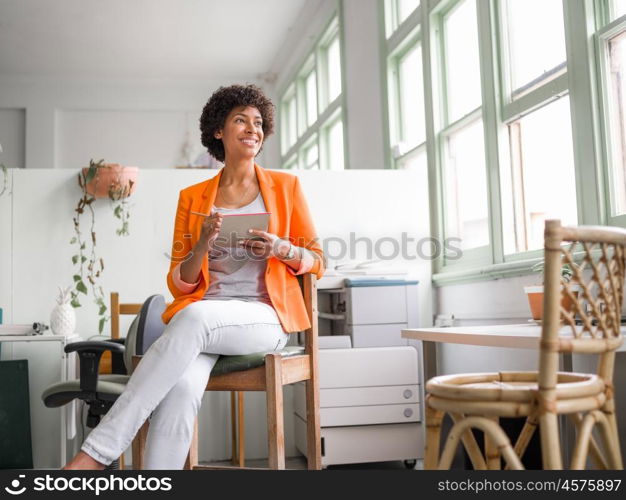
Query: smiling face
[242, 134]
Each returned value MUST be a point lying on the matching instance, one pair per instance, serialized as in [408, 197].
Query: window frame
[394, 102]
[602, 37]
[579, 79]
[444, 128]
[512, 110]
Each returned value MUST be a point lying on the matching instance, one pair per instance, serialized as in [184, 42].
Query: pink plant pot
[535, 301]
[112, 180]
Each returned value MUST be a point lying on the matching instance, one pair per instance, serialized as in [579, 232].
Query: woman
[227, 301]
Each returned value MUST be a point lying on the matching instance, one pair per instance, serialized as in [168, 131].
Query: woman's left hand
[269, 245]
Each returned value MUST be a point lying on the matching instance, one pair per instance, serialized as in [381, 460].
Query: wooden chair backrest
[596, 293]
[308, 283]
[117, 309]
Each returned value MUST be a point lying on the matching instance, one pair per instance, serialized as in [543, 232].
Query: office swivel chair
[100, 391]
[256, 372]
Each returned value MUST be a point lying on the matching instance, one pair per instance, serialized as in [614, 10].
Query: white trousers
[171, 378]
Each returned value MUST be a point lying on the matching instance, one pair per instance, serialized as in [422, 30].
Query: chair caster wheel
[410, 464]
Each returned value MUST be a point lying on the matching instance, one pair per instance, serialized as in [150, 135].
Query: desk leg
[64, 370]
[428, 370]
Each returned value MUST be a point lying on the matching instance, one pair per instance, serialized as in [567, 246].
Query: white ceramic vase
[63, 317]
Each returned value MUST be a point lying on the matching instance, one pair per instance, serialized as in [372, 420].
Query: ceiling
[164, 39]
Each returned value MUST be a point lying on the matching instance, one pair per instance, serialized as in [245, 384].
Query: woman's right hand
[210, 230]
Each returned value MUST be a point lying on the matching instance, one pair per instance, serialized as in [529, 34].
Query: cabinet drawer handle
[407, 393]
[408, 412]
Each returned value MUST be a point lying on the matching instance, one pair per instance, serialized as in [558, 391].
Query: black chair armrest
[95, 345]
[89, 353]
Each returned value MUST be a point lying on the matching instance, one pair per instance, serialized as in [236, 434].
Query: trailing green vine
[89, 266]
[85, 257]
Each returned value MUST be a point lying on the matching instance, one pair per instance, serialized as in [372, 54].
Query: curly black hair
[222, 102]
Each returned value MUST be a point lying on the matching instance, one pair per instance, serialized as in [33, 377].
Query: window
[462, 67]
[618, 8]
[405, 84]
[289, 115]
[406, 102]
[520, 131]
[310, 156]
[465, 187]
[334, 145]
[538, 181]
[536, 43]
[310, 89]
[396, 12]
[541, 181]
[311, 109]
[613, 84]
[333, 69]
[461, 138]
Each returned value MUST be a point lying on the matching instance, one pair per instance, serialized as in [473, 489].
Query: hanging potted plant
[99, 180]
[535, 292]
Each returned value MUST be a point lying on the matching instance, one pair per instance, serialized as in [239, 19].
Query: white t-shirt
[234, 273]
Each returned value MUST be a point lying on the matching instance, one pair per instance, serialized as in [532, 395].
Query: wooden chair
[237, 403]
[276, 370]
[589, 325]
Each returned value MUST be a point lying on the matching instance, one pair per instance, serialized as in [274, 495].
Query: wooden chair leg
[492, 431]
[122, 461]
[192, 456]
[471, 446]
[433, 435]
[241, 427]
[610, 440]
[550, 441]
[275, 423]
[616, 450]
[139, 446]
[530, 426]
[594, 449]
[313, 430]
[492, 452]
[234, 458]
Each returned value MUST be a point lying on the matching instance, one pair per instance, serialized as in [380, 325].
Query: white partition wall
[35, 257]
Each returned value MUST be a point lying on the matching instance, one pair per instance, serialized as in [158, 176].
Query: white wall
[35, 257]
[59, 123]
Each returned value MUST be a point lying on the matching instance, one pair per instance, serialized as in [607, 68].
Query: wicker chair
[589, 325]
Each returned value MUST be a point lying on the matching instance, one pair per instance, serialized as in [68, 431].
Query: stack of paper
[17, 330]
[374, 271]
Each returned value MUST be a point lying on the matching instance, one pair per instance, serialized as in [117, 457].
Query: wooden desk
[523, 336]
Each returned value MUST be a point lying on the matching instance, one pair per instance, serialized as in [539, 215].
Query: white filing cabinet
[369, 394]
[369, 405]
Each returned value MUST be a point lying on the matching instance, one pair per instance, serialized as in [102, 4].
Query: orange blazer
[290, 218]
